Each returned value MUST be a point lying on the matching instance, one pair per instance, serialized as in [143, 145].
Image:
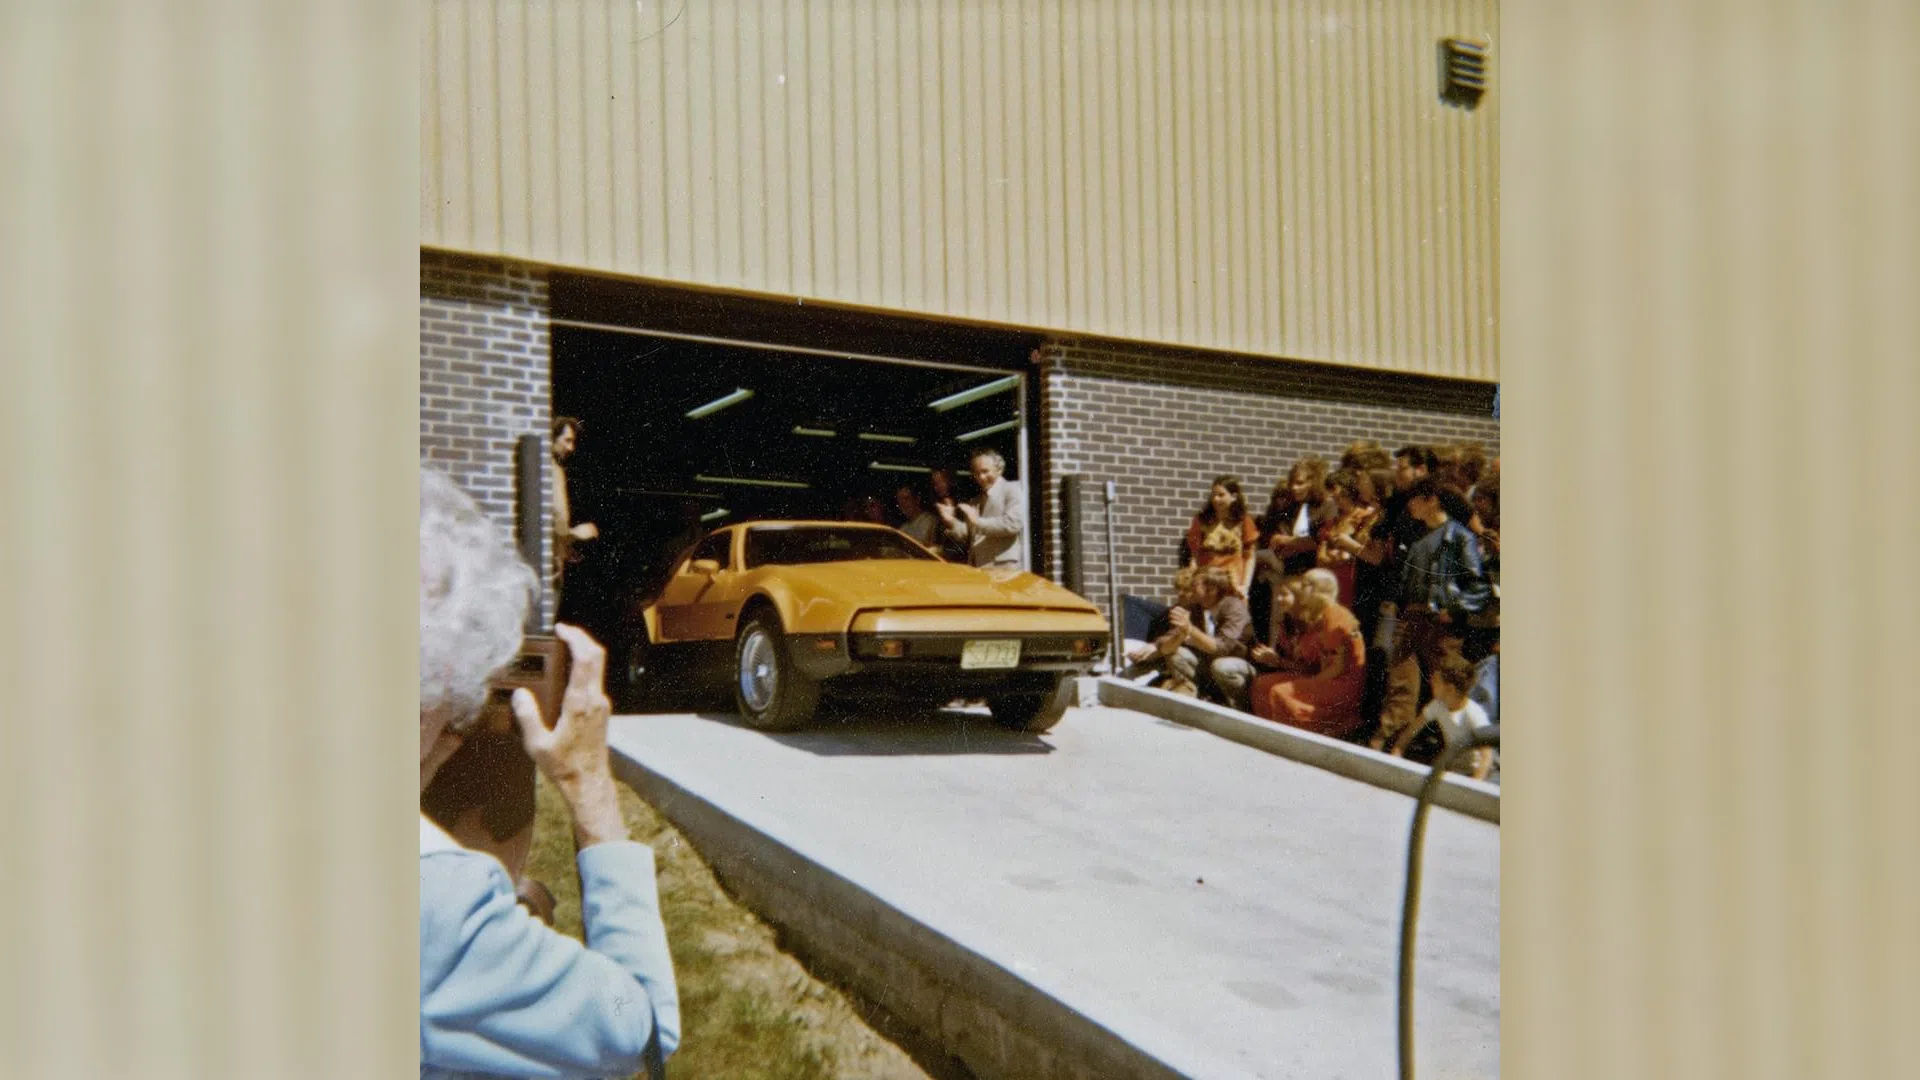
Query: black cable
[1410, 908]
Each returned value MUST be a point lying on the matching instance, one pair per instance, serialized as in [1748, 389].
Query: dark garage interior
[684, 432]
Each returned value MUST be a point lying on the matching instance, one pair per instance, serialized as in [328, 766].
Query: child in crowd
[1486, 683]
[1457, 716]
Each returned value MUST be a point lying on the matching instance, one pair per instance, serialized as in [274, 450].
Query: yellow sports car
[785, 609]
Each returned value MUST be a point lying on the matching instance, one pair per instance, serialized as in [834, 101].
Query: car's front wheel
[771, 692]
[1035, 712]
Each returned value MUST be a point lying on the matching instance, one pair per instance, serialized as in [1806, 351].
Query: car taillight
[893, 649]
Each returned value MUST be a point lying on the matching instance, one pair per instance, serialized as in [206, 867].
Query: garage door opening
[686, 432]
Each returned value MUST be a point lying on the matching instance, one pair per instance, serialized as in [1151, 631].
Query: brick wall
[485, 371]
[1160, 422]
[1163, 424]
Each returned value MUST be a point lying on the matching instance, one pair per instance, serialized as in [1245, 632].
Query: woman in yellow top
[1223, 534]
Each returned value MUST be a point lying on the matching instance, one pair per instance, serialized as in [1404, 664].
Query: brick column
[485, 374]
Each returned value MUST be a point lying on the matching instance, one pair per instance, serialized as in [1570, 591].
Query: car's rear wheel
[1035, 712]
[771, 692]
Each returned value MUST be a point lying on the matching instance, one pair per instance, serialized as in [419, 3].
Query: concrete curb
[956, 1002]
[1457, 793]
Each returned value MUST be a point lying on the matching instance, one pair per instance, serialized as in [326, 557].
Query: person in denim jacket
[1442, 587]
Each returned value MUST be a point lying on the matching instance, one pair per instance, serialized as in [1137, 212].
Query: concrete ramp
[1121, 897]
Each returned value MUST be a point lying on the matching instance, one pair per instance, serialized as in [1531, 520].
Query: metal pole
[1118, 618]
[1026, 478]
[527, 504]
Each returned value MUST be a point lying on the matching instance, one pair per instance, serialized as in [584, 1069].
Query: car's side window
[716, 547]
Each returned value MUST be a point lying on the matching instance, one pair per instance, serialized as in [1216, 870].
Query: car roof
[776, 523]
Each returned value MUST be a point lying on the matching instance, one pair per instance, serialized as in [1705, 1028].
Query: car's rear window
[784, 546]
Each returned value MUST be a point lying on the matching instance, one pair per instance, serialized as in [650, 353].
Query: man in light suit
[994, 525]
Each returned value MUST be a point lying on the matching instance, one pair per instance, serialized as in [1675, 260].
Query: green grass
[747, 1010]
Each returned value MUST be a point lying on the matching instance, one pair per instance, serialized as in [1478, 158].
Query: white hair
[474, 595]
[1321, 580]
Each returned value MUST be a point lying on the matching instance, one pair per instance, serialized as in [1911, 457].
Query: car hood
[909, 583]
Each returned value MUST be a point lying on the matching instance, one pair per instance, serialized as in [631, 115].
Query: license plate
[990, 654]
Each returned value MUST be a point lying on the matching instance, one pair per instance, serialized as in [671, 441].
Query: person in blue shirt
[501, 994]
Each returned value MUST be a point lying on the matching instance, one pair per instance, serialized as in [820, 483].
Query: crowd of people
[1362, 603]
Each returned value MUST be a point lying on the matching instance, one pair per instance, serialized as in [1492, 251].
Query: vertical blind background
[208, 240]
[210, 259]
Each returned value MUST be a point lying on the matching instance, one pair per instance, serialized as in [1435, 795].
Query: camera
[542, 667]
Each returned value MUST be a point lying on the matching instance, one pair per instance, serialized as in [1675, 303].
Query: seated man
[1213, 625]
[1145, 655]
[501, 994]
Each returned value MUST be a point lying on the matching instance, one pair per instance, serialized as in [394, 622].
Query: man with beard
[566, 532]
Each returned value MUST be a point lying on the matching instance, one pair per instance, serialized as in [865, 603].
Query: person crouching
[1208, 639]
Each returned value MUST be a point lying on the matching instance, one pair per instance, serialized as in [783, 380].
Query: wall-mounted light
[874, 436]
[978, 433]
[966, 397]
[818, 433]
[715, 515]
[888, 466]
[739, 395]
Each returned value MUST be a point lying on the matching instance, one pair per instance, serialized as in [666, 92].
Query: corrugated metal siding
[1276, 179]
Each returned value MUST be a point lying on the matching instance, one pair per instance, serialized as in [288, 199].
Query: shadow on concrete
[846, 730]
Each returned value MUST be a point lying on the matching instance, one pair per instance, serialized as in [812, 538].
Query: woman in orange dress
[1322, 693]
[1223, 534]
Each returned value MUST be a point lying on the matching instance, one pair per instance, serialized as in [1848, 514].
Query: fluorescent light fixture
[888, 466]
[821, 433]
[954, 401]
[662, 493]
[751, 482]
[979, 432]
[873, 436]
[715, 515]
[739, 395]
